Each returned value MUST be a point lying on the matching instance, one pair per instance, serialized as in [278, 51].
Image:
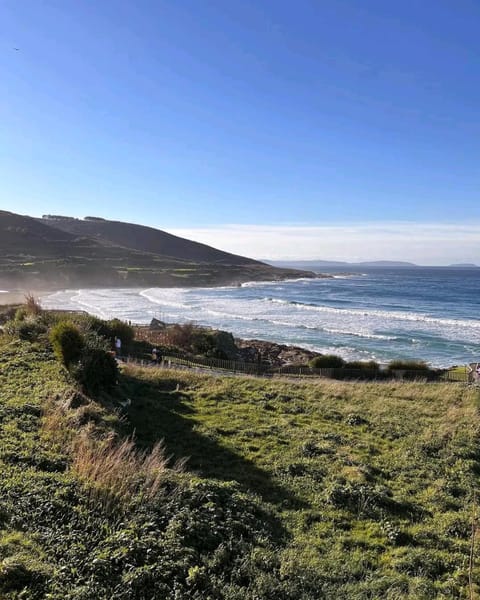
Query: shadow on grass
[159, 411]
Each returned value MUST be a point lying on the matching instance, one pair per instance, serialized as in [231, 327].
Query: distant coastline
[370, 264]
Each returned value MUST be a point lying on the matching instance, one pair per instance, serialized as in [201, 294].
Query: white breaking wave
[370, 336]
[354, 333]
[404, 316]
[164, 299]
[274, 282]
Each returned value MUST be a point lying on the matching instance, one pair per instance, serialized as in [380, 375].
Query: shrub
[327, 361]
[30, 330]
[214, 344]
[408, 365]
[20, 313]
[370, 365]
[121, 330]
[90, 323]
[413, 369]
[67, 342]
[96, 371]
[94, 340]
[181, 335]
[25, 330]
[7, 313]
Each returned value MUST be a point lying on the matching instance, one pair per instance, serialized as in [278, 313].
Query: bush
[7, 313]
[181, 336]
[94, 340]
[89, 324]
[214, 344]
[121, 330]
[96, 371]
[30, 330]
[67, 342]
[25, 330]
[327, 361]
[21, 313]
[413, 369]
[370, 365]
[407, 365]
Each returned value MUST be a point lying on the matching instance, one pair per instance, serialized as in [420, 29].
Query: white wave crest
[402, 316]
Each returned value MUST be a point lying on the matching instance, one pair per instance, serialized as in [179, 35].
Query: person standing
[473, 372]
[118, 346]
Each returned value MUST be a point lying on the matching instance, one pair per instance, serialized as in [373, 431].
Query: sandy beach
[18, 296]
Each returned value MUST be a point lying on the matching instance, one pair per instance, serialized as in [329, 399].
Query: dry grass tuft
[112, 469]
[115, 471]
[54, 426]
[32, 305]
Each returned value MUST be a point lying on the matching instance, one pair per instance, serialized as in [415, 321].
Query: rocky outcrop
[274, 354]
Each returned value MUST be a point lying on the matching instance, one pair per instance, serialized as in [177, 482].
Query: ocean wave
[362, 334]
[276, 281]
[89, 304]
[294, 325]
[402, 316]
[164, 300]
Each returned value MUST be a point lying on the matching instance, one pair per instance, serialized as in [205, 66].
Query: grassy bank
[372, 482]
[291, 490]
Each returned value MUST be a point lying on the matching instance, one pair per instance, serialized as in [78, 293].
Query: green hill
[44, 254]
[307, 491]
[146, 239]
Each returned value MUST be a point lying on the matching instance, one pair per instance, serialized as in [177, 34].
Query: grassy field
[291, 490]
[373, 483]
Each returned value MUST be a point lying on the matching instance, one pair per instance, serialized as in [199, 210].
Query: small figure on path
[118, 346]
[474, 373]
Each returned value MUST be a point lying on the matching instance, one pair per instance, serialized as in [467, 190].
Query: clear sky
[347, 116]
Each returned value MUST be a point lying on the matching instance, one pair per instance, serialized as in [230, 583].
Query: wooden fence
[266, 370]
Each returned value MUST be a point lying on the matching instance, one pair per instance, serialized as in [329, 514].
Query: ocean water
[367, 313]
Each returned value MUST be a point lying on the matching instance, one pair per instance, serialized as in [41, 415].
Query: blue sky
[191, 115]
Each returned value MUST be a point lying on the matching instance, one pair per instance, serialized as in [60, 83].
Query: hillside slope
[36, 255]
[293, 491]
[147, 239]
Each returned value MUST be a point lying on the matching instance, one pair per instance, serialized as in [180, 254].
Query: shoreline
[269, 340]
[13, 296]
[8, 297]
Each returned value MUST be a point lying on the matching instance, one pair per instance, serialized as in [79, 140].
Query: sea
[428, 313]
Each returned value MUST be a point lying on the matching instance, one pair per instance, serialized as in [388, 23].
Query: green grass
[292, 490]
[372, 482]
[60, 541]
[458, 373]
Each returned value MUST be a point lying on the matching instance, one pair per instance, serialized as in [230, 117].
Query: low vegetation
[169, 484]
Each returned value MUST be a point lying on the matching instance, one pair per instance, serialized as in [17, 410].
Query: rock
[276, 355]
[156, 325]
